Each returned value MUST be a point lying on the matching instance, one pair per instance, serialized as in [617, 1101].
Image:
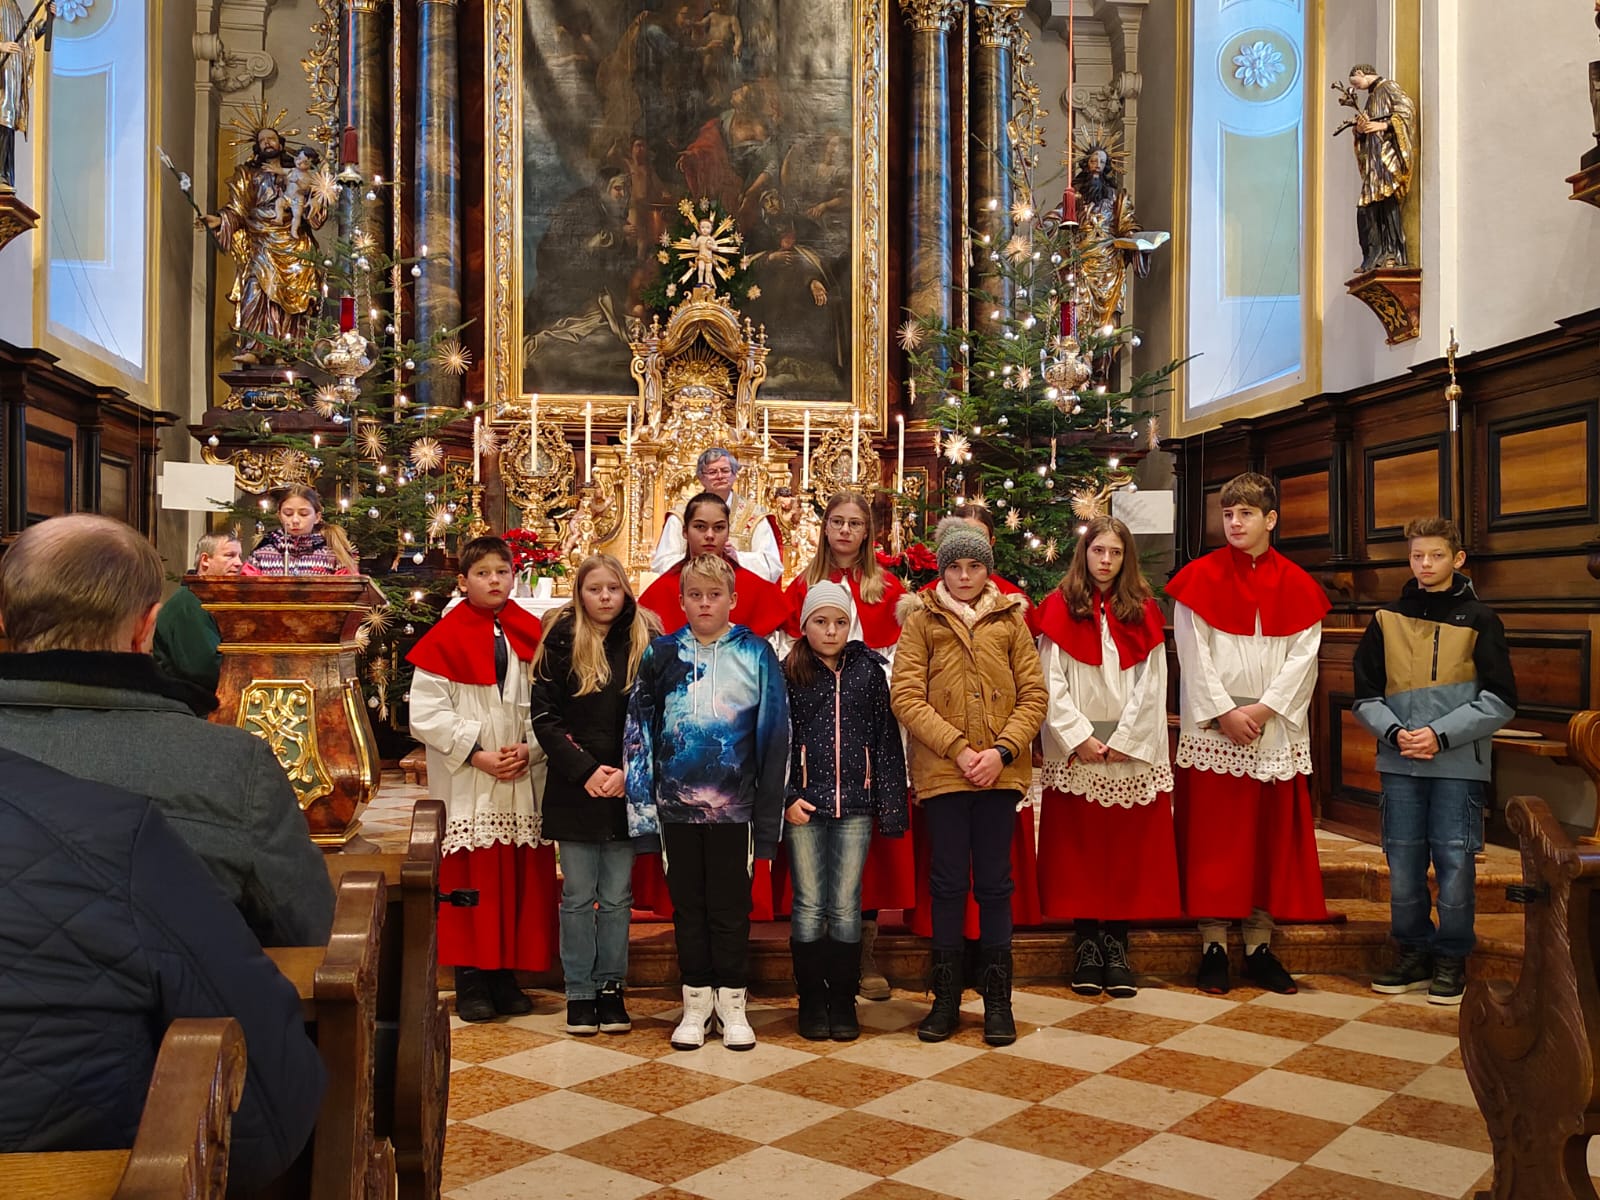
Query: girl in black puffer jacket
[846, 768]
[585, 667]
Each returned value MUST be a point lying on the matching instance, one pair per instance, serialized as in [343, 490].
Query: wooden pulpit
[289, 677]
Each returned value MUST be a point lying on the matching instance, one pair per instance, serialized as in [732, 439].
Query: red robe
[759, 606]
[879, 626]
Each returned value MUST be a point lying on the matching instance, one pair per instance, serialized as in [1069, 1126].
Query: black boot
[811, 983]
[472, 996]
[944, 1018]
[999, 1027]
[508, 999]
[1120, 981]
[844, 977]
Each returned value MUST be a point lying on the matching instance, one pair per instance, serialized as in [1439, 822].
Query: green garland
[676, 257]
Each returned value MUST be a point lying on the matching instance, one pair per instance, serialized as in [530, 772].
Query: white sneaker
[697, 1008]
[736, 1031]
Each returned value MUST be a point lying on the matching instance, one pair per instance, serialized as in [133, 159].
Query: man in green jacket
[186, 635]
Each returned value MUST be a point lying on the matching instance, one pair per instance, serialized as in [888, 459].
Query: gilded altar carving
[321, 65]
[928, 16]
[998, 23]
[256, 471]
[282, 713]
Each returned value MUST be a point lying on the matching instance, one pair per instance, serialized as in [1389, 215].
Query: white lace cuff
[1224, 758]
[1096, 786]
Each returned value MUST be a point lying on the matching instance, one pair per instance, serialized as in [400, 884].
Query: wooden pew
[1532, 1049]
[181, 1149]
[348, 1158]
[413, 1047]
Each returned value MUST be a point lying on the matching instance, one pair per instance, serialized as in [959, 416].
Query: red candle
[1069, 206]
[347, 313]
[347, 151]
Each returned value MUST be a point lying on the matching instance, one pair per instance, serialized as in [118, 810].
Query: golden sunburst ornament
[363, 639]
[426, 454]
[439, 520]
[325, 187]
[453, 357]
[1154, 433]
[371, 441]
[1052, 551]
[1019, 248]
[488, 439]
[956, 447]
[253, 118]
[1087, 504]
[378, 620]
[1013, 520]
[911, 336]
[327, 400]
[1022, 209]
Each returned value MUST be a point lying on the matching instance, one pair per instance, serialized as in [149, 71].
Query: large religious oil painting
[773, 109]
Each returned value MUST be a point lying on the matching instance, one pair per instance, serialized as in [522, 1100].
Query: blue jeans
[596, 896]
[1441, 818]
[826, 858]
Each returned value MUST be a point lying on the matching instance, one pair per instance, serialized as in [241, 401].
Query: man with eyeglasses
[752, 529]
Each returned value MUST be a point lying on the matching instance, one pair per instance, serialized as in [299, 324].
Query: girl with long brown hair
[582, 674]
[1107, 852]
[303, 544]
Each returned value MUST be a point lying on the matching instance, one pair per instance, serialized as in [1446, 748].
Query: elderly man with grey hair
[79, 598]
[188, 642]
[752, 529]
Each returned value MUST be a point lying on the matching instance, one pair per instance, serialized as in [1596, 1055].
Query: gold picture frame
[866, 387]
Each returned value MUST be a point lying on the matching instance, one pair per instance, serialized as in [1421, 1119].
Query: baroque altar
[699, 375]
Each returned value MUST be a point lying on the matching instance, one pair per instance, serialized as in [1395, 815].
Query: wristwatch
[1006, 756]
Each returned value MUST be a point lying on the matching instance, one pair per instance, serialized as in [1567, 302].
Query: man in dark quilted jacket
[111, 929]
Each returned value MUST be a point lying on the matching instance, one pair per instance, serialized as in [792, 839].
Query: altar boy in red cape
[1248, 624]
[469, 707]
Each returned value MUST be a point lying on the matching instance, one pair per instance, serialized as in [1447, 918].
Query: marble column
[930, 223]
[438, 192]
[364, 107]
[995, 25]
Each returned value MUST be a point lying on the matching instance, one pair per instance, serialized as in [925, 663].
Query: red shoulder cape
[879, 628]
[1081, 639]
[460, 646]
[1227, 589]
[759, 606]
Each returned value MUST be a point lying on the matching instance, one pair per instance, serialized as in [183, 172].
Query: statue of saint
[1105, 240]
[1386, 155]
[16, 84]
[277, 284]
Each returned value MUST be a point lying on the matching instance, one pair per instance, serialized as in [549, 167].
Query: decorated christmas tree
[1032, 422]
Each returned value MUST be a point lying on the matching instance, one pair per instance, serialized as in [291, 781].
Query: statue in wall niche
[17, 35]
[1384, 133]
[1110, 239]
[275, 203]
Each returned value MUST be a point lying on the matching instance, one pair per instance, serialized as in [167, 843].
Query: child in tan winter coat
[969, 690]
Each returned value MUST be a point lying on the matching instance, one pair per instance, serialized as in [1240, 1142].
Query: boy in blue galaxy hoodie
[1433, 682]
[707, 752]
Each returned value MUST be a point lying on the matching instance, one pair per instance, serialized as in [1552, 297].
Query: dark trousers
[708, 877]
[969, 835]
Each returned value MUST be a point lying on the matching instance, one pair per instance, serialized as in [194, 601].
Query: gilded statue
[583, 527]
[1109, 238]
[1385, 143]
[267, 227]
[17, 36]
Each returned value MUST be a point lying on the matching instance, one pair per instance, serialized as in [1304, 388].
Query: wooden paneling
[1552, 672]
[1542, 469]
[1212, 527]
[48, 471]
[1357, 764]
[1303, 506]
[116, 491]
[1404, 480]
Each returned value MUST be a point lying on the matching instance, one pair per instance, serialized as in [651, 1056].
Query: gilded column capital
[998, 25]
[928, 16]
[364, 6]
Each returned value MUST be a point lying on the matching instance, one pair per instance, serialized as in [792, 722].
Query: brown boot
[873, 984]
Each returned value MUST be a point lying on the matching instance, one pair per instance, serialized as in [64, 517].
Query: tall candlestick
[766, 434]
[805, 455]
[533, 432]
[855, 446]
[588, 441]
[900, 467]
[477, 449]
[627, 433]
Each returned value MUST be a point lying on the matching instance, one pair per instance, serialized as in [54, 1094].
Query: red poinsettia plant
[530, 558]
[916, 564]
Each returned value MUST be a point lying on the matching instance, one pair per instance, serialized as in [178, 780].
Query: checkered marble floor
[1334, 1092]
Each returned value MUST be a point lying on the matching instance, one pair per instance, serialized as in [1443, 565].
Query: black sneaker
[613, 1013]
[472, 995]
[583, 1019]
[1089, 976]
[1262, 968]
[1120, 983]
[1449, 981]
[1413, 972]
[1213, 976]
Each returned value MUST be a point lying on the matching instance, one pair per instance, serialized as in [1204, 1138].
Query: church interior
[542, 271]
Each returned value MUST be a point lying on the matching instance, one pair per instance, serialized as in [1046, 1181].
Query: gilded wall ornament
[281, 712]
[928, 16]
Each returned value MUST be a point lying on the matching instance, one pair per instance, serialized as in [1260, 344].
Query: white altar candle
[766, 433]
[477, 449]
[900, 466]
[588, 441]
[805, 455]
[855, 446]
[533, 432]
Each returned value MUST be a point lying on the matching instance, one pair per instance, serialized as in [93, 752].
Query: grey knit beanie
[826, 595]
[957, 539]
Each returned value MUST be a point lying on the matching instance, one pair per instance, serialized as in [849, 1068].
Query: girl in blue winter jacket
[846, 767]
